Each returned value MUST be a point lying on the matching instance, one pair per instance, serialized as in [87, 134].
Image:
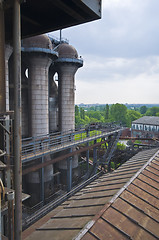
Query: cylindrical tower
[40, 55]
[67, 65]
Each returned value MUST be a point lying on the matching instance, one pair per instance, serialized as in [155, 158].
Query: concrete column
[66, 90]
[39, 106]
[66, 96]
[38, 77]
[8, 52]
[67, 65]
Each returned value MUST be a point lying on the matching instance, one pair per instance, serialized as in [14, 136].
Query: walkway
[33, 148]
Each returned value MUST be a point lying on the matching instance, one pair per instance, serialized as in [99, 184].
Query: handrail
[61, 140]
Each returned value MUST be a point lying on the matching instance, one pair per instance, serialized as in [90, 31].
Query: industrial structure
[39, 147]
[119, 205]
[28, 93]
[145, 127]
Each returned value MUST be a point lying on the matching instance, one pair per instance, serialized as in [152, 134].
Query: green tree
[76, 110]
[106, 112]
[152, 111]
[82, 113]
[131, 116]
[143, 109]
[118, 113]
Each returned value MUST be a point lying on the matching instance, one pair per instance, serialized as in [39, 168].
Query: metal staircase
[112, 144]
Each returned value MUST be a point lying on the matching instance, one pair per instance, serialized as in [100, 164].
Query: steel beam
[87, 154]
[2, 61]
[95, 153]
[42, 182]
[17, 119]
[58, 159]
[69, 173]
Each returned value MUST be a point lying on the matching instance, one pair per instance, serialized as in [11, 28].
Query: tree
[76, 110]
[143, 109]
[118, 113]
[106, 112]
[152, 111]
[82, 113]
[131, 116]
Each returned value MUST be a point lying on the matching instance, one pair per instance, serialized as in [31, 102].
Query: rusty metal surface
[124, 224]
[142, 219]
[82, 207]
[105, 231]
[134, 213]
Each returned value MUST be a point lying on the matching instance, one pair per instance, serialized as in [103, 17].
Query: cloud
[104, 69]
[128, 28]
[141, 88]
[119, 80]
[121, 53]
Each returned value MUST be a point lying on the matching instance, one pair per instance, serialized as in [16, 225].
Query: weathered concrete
[67, 65]
[38, 77]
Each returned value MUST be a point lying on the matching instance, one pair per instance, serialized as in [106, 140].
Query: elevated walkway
[33, 148]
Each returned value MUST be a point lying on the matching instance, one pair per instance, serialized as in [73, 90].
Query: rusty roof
[112, 206]
[134, 212]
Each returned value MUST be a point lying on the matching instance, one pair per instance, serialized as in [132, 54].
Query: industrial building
[145, 127]
[39, 146]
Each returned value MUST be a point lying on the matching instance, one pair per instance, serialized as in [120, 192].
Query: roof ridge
[107, 205]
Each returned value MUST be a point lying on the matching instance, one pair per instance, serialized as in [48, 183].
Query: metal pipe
[2, 196]
[69, 173]
[1, 125]
[17, 119]
[2, 61]
[10, 196]
[58, 159]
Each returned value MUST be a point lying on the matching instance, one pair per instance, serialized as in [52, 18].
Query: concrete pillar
[38, 77]
[67, 65]
[38, 81]
[39, 53]
[66, 97]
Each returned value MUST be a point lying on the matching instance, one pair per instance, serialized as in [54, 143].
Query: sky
[120, 53]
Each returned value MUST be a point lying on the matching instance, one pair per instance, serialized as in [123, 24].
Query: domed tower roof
[67, 51]
[40, 41]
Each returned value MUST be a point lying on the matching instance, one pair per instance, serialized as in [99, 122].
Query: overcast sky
[120, 52]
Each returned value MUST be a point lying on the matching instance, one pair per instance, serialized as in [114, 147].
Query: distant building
[145, 127]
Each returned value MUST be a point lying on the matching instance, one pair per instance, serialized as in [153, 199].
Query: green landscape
[120, 113]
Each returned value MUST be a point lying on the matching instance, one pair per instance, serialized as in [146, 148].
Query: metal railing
[60, 140]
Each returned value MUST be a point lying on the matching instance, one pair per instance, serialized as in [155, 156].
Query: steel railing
[61, 140]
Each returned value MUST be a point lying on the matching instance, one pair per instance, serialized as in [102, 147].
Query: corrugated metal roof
[71, 217]
[134, 212]
[147, 120]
